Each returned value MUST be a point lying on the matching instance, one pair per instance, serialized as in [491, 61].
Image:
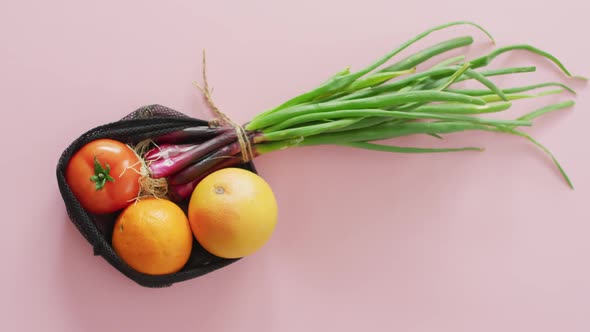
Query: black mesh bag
[145, 122]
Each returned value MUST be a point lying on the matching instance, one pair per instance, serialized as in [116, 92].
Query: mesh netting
[144, 123]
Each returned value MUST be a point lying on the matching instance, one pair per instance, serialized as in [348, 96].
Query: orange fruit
[153, 236]
[232, 212]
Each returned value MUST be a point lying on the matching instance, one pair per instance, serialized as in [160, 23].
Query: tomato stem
[101, 174]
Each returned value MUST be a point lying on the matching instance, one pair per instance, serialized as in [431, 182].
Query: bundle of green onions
[359, 109]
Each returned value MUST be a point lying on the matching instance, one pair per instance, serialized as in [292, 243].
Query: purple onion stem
[190, 135]
[169, 166]
[195, 170]
[168, 151]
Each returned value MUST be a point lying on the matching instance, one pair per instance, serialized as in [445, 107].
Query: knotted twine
[158, 187]
[241, 133]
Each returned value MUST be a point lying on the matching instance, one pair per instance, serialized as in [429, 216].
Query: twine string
[221, 118]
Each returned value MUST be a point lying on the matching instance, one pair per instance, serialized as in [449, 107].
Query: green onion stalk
[361, 109]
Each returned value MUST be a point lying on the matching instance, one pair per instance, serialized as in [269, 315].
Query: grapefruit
[232, 212]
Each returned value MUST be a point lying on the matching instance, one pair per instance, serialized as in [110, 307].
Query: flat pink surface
[366, 241]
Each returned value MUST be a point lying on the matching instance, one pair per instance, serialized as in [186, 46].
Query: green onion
[403, 149]
[424, 55]
[385, 101]
[514, 90]
[337, 83]
[487, 59]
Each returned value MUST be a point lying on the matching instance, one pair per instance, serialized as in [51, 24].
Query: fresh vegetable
[192, 135]
[104, 175]
[360, 109]
[175, 158]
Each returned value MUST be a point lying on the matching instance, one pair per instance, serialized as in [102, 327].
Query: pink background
[366, 241]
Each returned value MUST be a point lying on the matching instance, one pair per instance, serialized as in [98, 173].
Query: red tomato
[104, 176]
